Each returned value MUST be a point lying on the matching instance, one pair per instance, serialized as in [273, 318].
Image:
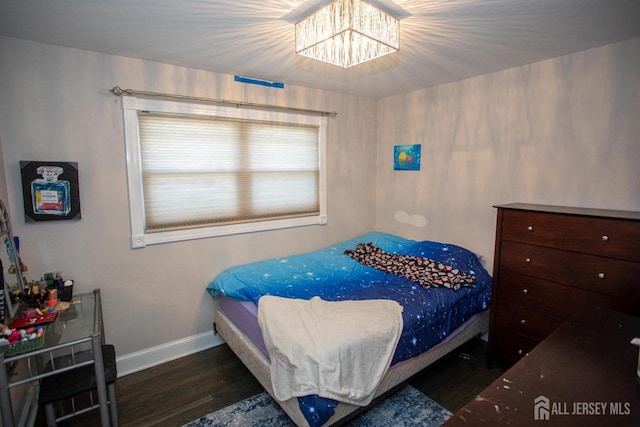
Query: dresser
[551, 262]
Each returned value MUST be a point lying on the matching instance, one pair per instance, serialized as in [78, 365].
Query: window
[199, 170]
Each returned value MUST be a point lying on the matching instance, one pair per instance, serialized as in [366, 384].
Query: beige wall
[564, 131]
[55, 105]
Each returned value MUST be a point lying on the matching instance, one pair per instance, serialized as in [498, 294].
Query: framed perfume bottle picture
[50, 190]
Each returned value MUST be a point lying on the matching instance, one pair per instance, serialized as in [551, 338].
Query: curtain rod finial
[117, 91]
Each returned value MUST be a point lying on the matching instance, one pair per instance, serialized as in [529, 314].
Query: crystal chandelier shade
[346, 33]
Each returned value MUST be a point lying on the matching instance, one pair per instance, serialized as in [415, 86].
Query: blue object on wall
[258, 82]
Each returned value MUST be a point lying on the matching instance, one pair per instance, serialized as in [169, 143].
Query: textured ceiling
[441, 40]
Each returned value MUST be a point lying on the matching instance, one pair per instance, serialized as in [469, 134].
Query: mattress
[316, 409]
[244, 315]
[258, 364]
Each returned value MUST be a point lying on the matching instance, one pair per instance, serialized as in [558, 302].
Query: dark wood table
[583, 374]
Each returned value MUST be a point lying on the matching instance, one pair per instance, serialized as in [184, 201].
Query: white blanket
[339, 350]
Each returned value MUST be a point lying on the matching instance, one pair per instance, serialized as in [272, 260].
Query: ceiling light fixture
[347, 33]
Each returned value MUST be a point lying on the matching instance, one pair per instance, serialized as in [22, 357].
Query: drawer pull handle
[529, 228]
[601, 275]
[527, 260]
[605, 238]
[520, 351]
[522, 322]
[525, 291]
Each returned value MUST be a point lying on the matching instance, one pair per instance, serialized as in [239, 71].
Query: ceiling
[440, 40]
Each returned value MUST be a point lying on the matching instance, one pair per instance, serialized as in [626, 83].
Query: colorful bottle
[50, 195]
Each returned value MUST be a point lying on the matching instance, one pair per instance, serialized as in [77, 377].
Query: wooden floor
[180, 391]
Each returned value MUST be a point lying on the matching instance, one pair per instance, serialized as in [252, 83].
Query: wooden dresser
[552, 261]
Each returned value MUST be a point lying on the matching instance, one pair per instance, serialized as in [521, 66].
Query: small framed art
[406, 157]
[50, 190]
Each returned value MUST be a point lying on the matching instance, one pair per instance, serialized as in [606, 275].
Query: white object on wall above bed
[411, 219]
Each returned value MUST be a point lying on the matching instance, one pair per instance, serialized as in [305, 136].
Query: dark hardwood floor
[180, 391]
[459, 377]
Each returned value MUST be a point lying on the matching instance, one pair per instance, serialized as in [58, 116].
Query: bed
[437, 315]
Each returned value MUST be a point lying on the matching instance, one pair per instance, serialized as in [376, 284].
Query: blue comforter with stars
[429, 315]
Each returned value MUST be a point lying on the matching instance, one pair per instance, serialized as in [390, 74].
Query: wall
[55, 105]
[564, 131]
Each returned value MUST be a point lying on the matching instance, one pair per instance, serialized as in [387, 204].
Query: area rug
[407, 407]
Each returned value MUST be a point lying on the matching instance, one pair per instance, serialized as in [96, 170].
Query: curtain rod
[118, 91]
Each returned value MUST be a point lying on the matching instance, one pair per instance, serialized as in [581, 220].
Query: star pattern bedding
[429, 315]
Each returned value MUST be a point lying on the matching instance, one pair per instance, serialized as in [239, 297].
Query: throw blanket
[309, 357]
[424, 271]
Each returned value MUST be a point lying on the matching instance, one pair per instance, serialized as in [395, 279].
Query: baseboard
[150, 357]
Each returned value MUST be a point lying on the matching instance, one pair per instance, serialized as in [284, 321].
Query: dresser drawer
[534, 228]
[606, 237]
[509, 347]
[552, 298]
[525, 321]
[604, 275]
[535, 261]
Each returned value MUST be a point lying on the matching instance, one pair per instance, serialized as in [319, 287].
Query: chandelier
[347, 33]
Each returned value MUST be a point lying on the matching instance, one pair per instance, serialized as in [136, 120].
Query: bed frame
[259, 365]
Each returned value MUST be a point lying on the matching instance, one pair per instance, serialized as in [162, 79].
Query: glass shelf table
[76, 332]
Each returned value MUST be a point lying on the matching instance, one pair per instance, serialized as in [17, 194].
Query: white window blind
[197, 171]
